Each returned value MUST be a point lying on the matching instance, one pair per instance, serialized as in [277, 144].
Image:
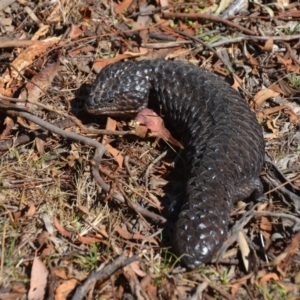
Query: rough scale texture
[223, 142]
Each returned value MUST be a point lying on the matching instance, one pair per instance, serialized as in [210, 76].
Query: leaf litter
[59, 224]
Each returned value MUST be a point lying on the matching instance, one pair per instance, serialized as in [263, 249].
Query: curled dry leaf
[88, 240]
[268, 47]
[154, 122]
[268, 277]
[135, 266]
[100, 63]
[288, 63]
[292, 115]
[9, 124]
[262, 115]
[39, 84]
[261, 96]
[245, 250]
[31, 211]
[38, 282]
[86, 14]
[61, 229]
[65, 289]
[111, 125]
[122, 7]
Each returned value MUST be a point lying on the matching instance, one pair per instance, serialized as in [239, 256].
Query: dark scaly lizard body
[223, 142]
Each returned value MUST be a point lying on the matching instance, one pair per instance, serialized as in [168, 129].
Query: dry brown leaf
[236, 82]
[42, 31]
[268, 47]
[278, 259]
[84, 209]
[135, 266]
[152, 292]
[116, 154]
[25, 59]
[45, 244]
[82, 49]
[261, 96]
[39, 84]
[9, 124]
[278, 89]
[40, 145]
[141, 131]
[154, 122]
[288, 63]
[268, 277]
[61, 229]
[100, 63]
[102, 231]
[86, 14]
[292, 115]
[75, 32]
[132, 236]
[31, 211]
[28, 211]
[65, 289]
[60, 11]
[122, 7]
[88, 240]
[111, 124]
[245, 250]
[265, 225]
[235, 286]
[60, 273]
[291, 250]
[38, 280]
[266, 229]
[262, 115]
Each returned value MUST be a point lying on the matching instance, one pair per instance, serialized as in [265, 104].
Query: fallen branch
[100, 149]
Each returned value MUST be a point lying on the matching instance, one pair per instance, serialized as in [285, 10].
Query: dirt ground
[84, 199]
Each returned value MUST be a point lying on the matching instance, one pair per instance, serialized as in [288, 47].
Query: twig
[157, 159]
[208, 47]
[142, 196]
[130, 204]
[25, 138]
[3, 252]
[209, 17]
[146, 213]
[280, 215]
[164, 45]
[258, 38]
[103, 274]
[126, 164]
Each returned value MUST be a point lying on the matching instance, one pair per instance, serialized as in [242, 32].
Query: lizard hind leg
[251, 187]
